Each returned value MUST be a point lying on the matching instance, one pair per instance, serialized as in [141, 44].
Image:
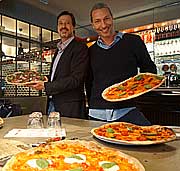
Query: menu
[51, 132]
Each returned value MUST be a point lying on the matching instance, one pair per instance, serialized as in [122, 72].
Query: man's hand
[37, 86]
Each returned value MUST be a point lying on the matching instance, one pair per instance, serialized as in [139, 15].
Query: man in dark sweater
[113, 58]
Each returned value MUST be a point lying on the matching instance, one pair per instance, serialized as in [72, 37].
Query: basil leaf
[129, 128]
[139, 77]
[76, 157]
[10, 77]
[147, 86]
[108, 165]
[77, 169]
[110, 130]
[123, 93]
[42, 163]
[120, 88]
[134, 86]
[159, 77]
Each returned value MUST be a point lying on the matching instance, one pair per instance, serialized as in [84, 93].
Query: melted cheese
[32, 163]
[71, 160]
[113, 168]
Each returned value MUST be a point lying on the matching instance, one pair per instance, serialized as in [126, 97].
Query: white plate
[128, 142]
[122, 142]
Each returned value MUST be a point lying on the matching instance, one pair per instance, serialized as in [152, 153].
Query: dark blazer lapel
[55, 54]
[65, 53]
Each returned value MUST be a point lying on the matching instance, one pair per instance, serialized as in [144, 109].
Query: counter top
[162, 157]
[176, 89]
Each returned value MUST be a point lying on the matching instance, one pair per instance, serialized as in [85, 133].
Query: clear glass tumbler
[54, 120]
[35, 120]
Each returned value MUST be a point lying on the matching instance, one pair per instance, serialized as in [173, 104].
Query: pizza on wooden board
[25, 78]
[133, 87]
[72, 155]
[130, 134]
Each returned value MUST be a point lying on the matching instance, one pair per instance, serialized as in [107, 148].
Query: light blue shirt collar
[62, 45]
[117, 37]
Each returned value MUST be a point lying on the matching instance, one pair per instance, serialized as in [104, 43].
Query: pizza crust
[9, 163]
[91, 146]
[26, 83]
[132, 96]
[124, 142]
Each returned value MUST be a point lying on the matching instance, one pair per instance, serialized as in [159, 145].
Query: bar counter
[162, 157]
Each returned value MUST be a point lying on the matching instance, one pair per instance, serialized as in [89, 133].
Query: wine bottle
[156, 34]
[177, 31]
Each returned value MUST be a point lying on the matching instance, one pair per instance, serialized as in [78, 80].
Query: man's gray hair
[100, 6]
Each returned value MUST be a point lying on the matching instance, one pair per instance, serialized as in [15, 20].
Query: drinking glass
[35, 120]
[54, 120]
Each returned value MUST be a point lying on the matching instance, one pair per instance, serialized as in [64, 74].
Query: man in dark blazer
[65, 88]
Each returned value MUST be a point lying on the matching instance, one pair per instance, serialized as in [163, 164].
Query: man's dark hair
[100, 6]
[67, 13]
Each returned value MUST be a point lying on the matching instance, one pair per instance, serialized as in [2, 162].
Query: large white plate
[120, 142]
[123, 142]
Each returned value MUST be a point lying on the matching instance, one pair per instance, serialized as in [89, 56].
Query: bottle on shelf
[177, 32]
[170, 31]
[156, 34]
[174, 31]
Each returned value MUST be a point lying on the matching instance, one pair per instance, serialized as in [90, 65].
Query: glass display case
[161, 34]
[26, 47]
[163, 45]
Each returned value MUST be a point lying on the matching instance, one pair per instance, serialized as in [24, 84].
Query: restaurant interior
[28, 41]
[157, 23]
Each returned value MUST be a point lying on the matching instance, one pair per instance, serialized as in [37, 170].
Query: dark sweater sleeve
[88, 81]
[144, 61]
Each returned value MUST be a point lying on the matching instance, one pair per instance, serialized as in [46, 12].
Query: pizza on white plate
[72, 155]
[131, 134]
[133, 87]
[26, 77]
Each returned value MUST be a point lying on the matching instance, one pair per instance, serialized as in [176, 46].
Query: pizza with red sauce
[26, 77]
[72, 155]
[127, 133]
[133, 87]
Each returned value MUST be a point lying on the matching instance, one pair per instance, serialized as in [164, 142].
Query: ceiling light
[178, 21]
[136, 29]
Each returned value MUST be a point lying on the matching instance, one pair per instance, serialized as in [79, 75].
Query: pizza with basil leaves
[131, 134]
[133, 87]
[26, 77]
[72, 155]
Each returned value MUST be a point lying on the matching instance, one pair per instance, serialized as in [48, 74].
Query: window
[9, 25]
